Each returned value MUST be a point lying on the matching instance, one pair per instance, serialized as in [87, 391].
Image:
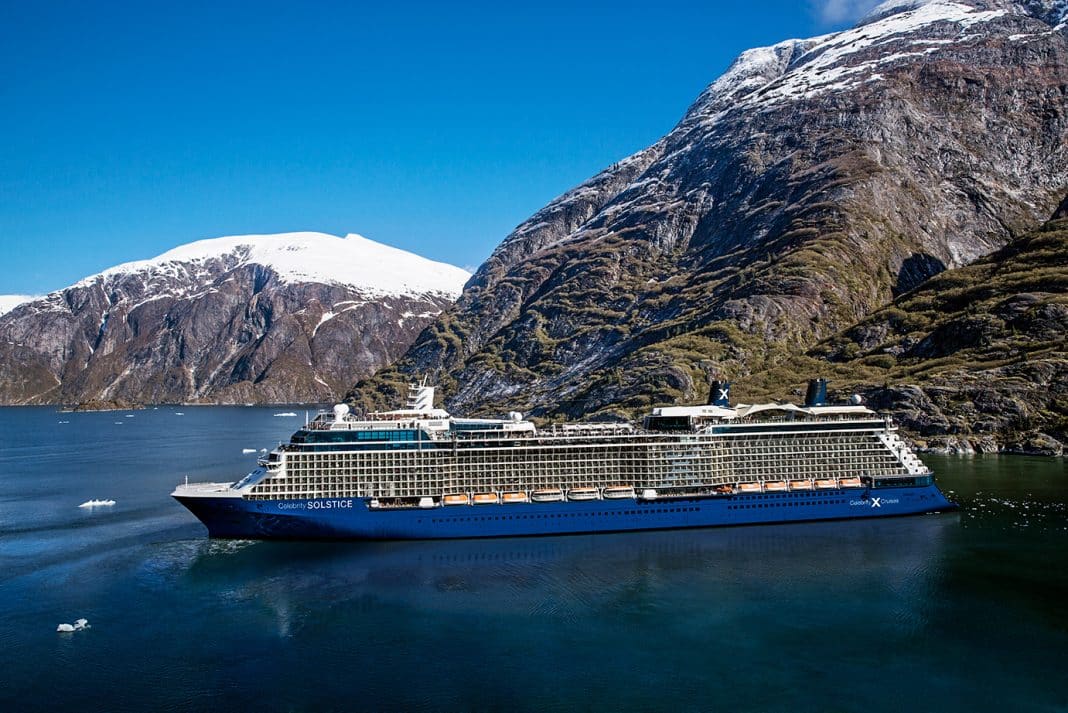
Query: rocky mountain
[975, 359]
[809, 185]
[260, 318]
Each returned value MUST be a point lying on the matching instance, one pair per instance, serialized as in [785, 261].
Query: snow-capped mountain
[807, 186]
[353, 261]
[291, 317]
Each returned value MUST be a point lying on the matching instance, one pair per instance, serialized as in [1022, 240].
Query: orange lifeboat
[509, 498]
[485, 499]
[456, 499]
[749, 487]
[775, 486]
[826, 484]
[800, 485]
[850, 483]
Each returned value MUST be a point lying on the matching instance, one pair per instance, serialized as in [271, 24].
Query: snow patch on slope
[10, 302]
[801, 69]
[371, 267]
[890, 7]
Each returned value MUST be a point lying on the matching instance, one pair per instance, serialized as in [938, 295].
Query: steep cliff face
[273, 318]
[807, 186]
[974, 359]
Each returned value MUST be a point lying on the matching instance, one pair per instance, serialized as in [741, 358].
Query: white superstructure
[421, 456]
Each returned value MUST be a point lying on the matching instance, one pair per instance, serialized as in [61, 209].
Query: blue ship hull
[352, 519]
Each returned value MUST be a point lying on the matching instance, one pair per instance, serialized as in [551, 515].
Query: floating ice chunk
[178, 413]
[286, 413]
[97, 503]
[65, 628]
[129, 415]
[248, 450]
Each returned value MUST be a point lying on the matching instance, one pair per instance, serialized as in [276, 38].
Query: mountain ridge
[806, 187]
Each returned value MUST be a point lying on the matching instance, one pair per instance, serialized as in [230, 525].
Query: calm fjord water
[940, 612]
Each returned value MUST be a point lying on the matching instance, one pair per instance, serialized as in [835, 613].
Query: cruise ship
[420, 473]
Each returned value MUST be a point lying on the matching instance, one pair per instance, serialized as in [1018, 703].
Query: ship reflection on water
[735, 571]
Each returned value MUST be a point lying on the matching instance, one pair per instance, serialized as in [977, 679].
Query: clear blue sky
[129, 128]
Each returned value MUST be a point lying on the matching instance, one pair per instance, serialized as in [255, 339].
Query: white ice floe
[287, 414]
[248, 450]
[97, 503]
[78, 625]
[178, 413]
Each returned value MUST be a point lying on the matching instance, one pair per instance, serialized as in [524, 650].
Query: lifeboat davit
[618, 492]
[550, 495]
[583, 494]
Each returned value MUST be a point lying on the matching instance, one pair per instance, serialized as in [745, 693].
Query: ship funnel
[420, 397]
[719, 394]
[340, 412]
[817, 393]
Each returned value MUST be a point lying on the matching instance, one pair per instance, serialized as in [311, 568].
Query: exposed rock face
[809, 185]
[283, 318]
[975, 359]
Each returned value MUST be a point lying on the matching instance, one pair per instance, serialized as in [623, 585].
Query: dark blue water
[964, 611]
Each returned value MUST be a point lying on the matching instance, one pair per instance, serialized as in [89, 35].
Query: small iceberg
[76, 626]
[97, 503]
[286, 413]
[248, 450]
[129, 415]
[178, 413]
[63, 421]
